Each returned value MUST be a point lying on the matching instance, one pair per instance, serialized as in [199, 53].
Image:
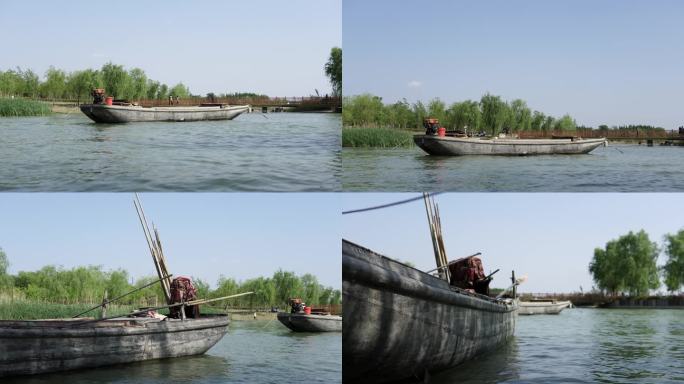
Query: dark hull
[401, 322]
[31, 347]
[311, 323]
[112, 114]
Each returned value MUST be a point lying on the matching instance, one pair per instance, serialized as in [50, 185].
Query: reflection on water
[631, 169]
[251, 352]
[285, 152]
[584, 346]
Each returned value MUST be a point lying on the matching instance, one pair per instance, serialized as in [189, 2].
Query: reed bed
[23, 107]
[33, 310]
[364, 137]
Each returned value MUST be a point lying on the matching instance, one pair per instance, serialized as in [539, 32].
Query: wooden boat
[39, 346]
[103, 113]
[301, 322]
[401, 322]
[542, 307]
[459, 146]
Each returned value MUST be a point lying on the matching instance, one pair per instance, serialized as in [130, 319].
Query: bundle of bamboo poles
[435, 224]
[156, 250]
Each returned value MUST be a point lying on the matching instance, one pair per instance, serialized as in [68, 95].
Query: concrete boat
[103, 113]
[459, 146]
[403, 323]
[40, 346]
[300, 322]
[542, 307]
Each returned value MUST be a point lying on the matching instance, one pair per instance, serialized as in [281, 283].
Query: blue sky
[603, 62]
[549, 237]
[266, 46]
[239, 235]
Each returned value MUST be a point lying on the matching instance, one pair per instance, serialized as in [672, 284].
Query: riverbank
[603, 301]
[367, 137]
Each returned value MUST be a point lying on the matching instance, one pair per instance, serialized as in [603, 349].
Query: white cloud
[415, 84]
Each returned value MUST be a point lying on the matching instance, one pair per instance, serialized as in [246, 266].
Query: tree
[494, 113]
[521, 116]
[54, 86]
[333, 70]
[464, 115]
[81, 83]
[565, 123]
[115, 80]
[138, 84]
[673, 270]
[180, 90]
[436, 109]
[627, 264]
[4, 266]
[537, 121]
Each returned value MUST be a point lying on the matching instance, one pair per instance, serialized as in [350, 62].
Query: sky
[265, 46]
[608, 62]
[550, 237]
[238, 235]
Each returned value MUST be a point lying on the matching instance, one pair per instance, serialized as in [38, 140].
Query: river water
[584, 346]
[252, 352]
[616, 168]
[271, 152]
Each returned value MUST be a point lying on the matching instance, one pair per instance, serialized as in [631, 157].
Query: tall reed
[376, 137]
[23, 107]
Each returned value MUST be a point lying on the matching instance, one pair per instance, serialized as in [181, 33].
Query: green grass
[363, 137]
[23, 107]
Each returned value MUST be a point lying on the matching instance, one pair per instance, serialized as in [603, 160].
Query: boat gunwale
[139, 108]
[429, 287]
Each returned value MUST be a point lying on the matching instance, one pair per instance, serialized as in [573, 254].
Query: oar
[105, 302]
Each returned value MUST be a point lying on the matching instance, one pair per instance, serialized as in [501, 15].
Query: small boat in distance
[305, 319]
[436, 141]
[301, 322]
[543, 307]
[105, 110]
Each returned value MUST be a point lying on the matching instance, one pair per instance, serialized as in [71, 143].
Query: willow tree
[494, 113]
[4, 266]
[673, 270]
[115, 80]
[465, 114]
[333, 69]
[521, 116]
[627, 264]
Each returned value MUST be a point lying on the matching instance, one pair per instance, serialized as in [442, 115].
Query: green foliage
[180, 90]
[376, 137]
[33, 310]
[5, 278]
[333, 70]
[495, 112]
[464, 115]
[55, 84]
[565, 123]
[23, 107]
[116, 81]
[673, 271]
[627, 264]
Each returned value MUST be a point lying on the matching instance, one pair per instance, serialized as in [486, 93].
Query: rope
[388, 205]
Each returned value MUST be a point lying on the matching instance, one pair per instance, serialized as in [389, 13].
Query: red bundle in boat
[182, 291]
[469, 274]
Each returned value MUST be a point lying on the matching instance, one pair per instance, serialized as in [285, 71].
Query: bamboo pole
[154, 250]
[433, 236]
[194, 302]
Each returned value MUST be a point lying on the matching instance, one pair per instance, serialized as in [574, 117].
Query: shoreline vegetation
[18, 107]
[368, 122]
[54, 292]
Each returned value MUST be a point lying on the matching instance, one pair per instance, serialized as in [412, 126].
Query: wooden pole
[154, 250]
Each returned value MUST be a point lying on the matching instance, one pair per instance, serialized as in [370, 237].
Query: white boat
[542, 307]
[506, 146]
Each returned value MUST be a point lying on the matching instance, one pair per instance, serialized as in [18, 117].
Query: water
[273, 152]
[618, 168]
[251, 352]
[584, 346]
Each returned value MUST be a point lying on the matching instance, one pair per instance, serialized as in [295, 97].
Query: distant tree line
[491, 114]
[88, 284]
[120, 83]
[628, 265]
